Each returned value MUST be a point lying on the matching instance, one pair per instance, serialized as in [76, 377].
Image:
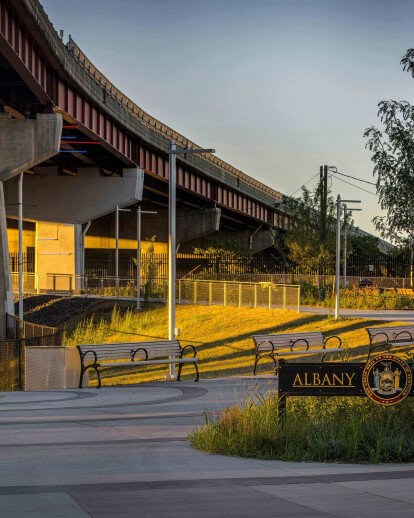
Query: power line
[353, 185]
[354, 178]
[304, 185]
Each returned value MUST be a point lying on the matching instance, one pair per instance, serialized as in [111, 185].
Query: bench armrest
[192, 347]
[82, 355]
[257, 345]
[396, 335]
[134, 352]
[381, 333]
[294, 342]
[330, 338]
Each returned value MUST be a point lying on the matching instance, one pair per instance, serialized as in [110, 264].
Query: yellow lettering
[349, 377]
[326, 379]
[316, 379]
[306, 380]
[298, 380]
[340, 380]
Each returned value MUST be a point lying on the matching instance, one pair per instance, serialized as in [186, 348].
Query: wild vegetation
[314, 429]
[355, 298]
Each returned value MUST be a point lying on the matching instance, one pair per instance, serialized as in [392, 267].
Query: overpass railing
[158, 126]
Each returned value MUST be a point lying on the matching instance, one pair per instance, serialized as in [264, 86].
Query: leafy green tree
[309, 246]
[392, 148]
[363, 246]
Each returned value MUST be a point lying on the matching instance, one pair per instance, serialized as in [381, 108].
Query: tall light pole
[346, 210]
[139, 212]
[338, 248]
[173, 152]
[20, 227]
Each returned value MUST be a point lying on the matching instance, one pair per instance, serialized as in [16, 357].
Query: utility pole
[323, 179]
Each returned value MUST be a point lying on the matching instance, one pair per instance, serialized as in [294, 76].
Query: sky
[277, 87]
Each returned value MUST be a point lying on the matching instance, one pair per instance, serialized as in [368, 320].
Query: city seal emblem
[387, 379]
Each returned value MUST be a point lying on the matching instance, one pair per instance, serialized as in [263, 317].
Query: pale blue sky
[277, 87]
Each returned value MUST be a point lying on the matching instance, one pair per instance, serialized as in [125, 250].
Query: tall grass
[335, 429]
[356, 298]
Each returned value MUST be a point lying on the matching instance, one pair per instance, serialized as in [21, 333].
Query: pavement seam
[321, 513]
[373, 494]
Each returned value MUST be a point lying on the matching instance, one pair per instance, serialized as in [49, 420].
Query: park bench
[98, 356]
[290, 344]
[390, 337]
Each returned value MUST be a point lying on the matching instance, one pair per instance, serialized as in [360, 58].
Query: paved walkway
[122, 452]
[380, 314]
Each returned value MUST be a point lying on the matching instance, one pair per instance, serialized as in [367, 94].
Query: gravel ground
[54, 311]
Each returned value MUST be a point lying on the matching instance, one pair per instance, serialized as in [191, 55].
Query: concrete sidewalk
[391, 315]
[122, 451]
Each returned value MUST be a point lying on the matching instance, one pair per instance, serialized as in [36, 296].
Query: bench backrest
[381, 334]
[122, 351]
[285, 341]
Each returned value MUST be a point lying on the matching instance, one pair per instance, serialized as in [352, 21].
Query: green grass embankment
[222, 336]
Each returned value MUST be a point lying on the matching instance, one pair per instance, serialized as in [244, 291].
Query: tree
[307, 247]
[364, 246]
[392, 149]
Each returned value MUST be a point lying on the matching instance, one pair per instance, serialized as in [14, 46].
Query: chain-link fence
[226, 293]
[255, 295]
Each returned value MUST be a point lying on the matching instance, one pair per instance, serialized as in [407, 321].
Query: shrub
[336, 429]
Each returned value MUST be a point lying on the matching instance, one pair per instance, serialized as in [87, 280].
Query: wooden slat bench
[390, 337]
[289, 344]
[98, 356]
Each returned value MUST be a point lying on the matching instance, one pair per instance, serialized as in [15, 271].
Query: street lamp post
[173, 152]
[338, 248]
[346, 210]
[139, 212]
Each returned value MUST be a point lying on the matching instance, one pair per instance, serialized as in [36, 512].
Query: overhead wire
[304, 185]
[354, 178]
[356, 186]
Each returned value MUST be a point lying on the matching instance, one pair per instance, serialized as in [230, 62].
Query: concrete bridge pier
[24, 143]
[191, 224]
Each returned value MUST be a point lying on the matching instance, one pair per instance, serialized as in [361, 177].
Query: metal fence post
[270, 296]
[179, 292]
[225, 294]
[240, 295]
[210, 293]
[70, 284]
[102, 287]
[298, 299]
[255, 295]
[284, 297]
[86, 285]
[195, 292]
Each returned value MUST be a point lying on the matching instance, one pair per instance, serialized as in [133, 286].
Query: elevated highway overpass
[85, 148]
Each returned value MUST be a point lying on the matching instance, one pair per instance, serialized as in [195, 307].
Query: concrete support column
[6, 288]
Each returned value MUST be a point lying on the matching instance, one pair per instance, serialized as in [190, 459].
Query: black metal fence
[28, 262]
[101, 263]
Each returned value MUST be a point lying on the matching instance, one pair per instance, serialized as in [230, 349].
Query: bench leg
[84, 369]
[180, 366]
[258, 358]
[372, 347]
